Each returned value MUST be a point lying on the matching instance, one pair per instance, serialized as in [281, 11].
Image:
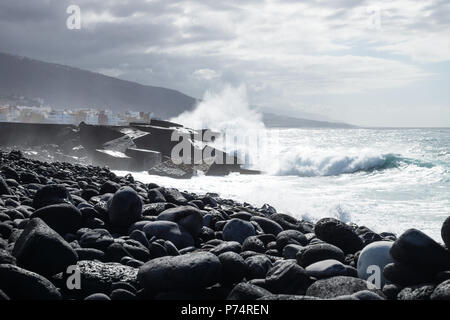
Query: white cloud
[206, 74]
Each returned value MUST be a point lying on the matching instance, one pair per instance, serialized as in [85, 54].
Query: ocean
[386, 179]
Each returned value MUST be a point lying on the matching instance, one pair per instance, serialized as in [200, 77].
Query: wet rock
[269, 226]
[193, 270]
[63, 218]
[339, 234]
[188, 217]
[326, 269]
[42, 250]
[233, 267]
[287, 277]
[238, 230]
[97, 239]
[21, 284]
[51, 194]
[125, 207]
[257, 266]
[318, 252]
[247, 291]
[170, 231]
[445, 232]
[414, 248]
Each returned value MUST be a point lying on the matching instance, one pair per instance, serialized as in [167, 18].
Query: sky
[372, 63]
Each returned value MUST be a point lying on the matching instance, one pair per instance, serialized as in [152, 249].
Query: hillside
[66, 87]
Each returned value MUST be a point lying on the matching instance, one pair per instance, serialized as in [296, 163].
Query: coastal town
[26, 110]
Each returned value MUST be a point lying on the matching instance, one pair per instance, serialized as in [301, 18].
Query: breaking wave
[312, 165]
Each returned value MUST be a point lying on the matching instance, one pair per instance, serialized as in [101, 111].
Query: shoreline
[124, 236]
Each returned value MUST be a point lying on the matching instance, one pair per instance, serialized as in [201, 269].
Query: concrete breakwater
[136, 147]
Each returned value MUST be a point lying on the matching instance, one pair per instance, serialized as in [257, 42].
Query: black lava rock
[51, 194]
[238, 230]
[125, 207]
[247, 291]
[445, 232]
[339, 286]
[188, 217]
[339, 234]
[414, 248]
[63, 218]
[42, 250]
[21, 284]
[233, 267]
[318, 252]
[193, 270]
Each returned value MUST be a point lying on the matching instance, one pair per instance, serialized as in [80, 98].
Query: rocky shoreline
[70, 231]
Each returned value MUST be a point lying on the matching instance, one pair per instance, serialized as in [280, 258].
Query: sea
[387, 179]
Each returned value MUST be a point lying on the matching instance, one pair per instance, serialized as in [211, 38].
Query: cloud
[284, 51]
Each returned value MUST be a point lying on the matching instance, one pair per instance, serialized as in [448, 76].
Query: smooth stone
[238, 230]
[290, 237]
[21, 284]
[51, 194]
[445, 232]
[233, 267]
[257, 266]
[125, 207]
[391, 291]
[90, 254]
[155, 196]
[287, 277]
[414, 248]
[188, 217]
[326, 269]
[192, 270]
[139, 236]
[269, 226]
[247, 291]
[97, 239]
[337, 233]
[375, 254]
[339, 286]
[174, 196]
[171, 231]
[63, 218]
[97, 297]
[290, 251]
[227, 246]
[404, 275]
[109, 187]
[319, 252]
[40, 249]
[367, 295]
[122, 294]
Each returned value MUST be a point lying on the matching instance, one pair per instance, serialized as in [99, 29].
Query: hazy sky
[366, 62]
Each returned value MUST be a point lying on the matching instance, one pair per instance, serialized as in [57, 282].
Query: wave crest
[312, 165]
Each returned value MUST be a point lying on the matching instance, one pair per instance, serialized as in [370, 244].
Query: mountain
[62, 86]
[66, 87]
[279, 121]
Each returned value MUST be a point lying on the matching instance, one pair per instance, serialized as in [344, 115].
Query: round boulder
[339, 234]
[125, 207]
[238, 230]
[374, 255]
